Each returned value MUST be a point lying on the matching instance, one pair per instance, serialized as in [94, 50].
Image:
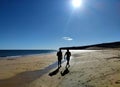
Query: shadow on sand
[54, 72]
[66, 71]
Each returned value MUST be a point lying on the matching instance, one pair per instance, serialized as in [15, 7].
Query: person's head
[67, 50]
[60, 50]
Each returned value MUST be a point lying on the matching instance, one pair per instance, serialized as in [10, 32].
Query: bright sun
[76, 3]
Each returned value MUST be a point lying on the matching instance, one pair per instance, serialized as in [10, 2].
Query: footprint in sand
[117, 82]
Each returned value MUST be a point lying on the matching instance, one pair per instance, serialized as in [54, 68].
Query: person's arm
[64, 55]
[70, 53]
[57, 54]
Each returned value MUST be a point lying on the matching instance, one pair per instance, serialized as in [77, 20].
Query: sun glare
[76, 3]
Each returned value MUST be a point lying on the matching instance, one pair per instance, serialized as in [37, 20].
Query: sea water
[11, 53]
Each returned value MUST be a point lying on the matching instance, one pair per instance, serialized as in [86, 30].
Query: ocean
[14, 53]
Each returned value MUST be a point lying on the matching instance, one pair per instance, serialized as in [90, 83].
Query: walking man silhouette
[67, 56]
[59, 54]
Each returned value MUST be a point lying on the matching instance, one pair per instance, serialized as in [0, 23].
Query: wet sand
[88, 69]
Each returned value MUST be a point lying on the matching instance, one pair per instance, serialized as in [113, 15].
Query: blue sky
[50, 24]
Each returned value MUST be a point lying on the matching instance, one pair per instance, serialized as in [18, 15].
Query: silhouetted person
[67, 56]
[59, 54]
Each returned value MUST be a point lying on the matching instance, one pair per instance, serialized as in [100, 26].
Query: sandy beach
[88, 69]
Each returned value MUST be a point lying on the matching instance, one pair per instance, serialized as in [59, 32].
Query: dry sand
[88, 69]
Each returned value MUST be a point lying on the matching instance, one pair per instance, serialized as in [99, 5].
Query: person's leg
[68, 62]
[66, 65]
[60, 63]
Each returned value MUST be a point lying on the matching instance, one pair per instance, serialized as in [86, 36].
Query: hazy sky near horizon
[50, 24]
